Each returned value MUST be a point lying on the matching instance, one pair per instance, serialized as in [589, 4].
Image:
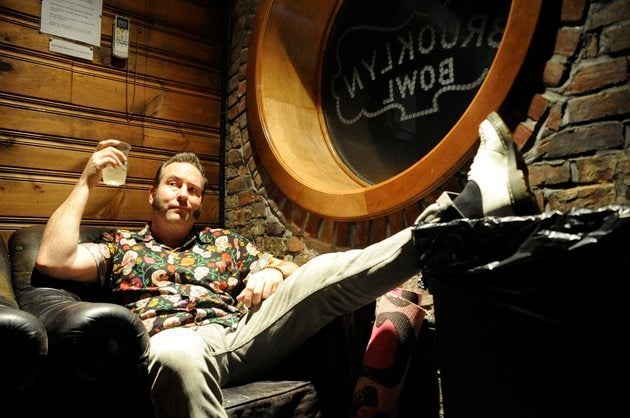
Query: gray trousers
[189, 366]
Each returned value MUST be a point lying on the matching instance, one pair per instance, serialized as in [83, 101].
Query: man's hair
[182, 157]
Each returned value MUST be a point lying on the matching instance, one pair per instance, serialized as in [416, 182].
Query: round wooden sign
[361, 107]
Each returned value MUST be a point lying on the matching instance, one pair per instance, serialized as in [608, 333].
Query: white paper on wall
[79, 20]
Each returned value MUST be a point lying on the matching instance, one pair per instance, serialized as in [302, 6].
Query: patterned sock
[388, 354]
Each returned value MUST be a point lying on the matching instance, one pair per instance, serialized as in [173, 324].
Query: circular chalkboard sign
[397, 76]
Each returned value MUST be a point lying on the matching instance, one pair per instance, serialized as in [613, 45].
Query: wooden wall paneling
[33, 155]
[55, 108]
[27, 7]
[40, 78]
[158, 55]
[175, 71]
[152, 100]
[49, 80]
[47, 156]
[86, 127]
[206, 144]
[166, 41]
[185, 59]
[33, 196]
[202, 17]
[22, 34]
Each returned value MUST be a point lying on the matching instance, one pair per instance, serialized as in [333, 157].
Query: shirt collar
[201, 235]
[144, 234]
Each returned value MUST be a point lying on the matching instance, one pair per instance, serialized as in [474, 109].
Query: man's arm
[60, 254]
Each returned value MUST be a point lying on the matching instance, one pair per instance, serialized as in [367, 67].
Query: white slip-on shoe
[500, 172]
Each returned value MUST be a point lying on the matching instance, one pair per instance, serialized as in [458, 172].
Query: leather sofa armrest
[23, 345]
[89, 337]
[23, 349]
[98, 352]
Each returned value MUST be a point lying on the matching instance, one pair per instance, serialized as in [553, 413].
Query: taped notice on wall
[71, 48]
[78, 20]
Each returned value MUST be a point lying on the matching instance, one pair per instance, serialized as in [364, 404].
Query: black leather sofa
[96, 364]
[23, 346]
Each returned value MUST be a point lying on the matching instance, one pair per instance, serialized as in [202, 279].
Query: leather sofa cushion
[271, 399]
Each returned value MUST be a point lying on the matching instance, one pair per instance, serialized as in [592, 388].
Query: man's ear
[151, 189]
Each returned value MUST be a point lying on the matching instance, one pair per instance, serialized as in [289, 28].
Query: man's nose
[182, 193]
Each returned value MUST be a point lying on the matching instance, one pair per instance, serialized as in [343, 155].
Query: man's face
[177, 199]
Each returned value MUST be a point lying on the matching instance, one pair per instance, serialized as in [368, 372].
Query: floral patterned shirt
[186, 286]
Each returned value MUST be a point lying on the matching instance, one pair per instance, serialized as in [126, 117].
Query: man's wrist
[278, 268]
[276, 264]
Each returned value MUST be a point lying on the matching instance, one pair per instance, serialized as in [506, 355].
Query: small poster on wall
[78, 20]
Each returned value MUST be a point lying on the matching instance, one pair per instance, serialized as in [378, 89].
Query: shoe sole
[523, 201]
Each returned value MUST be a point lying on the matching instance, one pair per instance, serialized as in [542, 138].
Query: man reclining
[180, 280]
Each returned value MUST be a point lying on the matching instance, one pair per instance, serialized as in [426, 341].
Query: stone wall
[573, 132]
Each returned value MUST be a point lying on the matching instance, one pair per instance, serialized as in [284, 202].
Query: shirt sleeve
[97, 250]
[102, 251]
[260, 263]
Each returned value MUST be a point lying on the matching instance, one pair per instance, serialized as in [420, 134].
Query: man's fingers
[114, 143]
[107, 143]
[257, 291]
[259, 287]
[109, 157]
[107, 154]
[248, 295]
[245, 296]
[270, 288]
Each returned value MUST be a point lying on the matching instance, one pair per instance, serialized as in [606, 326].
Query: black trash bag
[532, 313]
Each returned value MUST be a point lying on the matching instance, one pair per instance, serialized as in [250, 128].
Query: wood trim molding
[291, 138]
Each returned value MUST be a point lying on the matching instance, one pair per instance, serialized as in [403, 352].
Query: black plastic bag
[532, 313]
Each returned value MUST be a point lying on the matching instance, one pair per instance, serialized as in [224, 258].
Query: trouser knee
[182, 354]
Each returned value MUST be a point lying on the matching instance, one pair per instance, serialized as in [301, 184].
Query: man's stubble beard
[158, 206]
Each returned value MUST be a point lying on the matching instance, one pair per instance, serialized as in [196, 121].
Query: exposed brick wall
[574, 135]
